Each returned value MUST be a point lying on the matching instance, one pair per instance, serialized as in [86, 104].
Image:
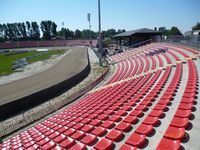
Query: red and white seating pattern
[129, 110]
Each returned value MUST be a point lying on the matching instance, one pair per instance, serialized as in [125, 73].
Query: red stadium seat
[150, 120]
[48, 146]
[60, 138]
[136, 139]
[78, 135]
[156, 113]
[69, 132]
[183, 113]
[67, 143]
[78, 146]
[127, 147]
[87, 128]
[131, 119]
[99, 131]
[115, 118]
[89, 139]
[33, 147]
[144, 129]
[104, 144]
[137, 113]
[168, 144]
[179, 122]
[174, 133]
[114, 135]
[108, 124]
[123, 126]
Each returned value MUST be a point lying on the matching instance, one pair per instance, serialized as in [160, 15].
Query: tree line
[175, 31]
[87, 34]
[27, 31]
[168, 32]
[46, 30]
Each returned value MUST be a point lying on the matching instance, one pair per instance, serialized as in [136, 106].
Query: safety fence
[192, 41]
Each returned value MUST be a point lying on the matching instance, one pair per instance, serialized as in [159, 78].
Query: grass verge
[6, 62]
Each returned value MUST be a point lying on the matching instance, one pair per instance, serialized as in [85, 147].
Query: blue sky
[117, 14]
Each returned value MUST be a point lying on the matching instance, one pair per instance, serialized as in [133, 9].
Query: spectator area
[149, 102]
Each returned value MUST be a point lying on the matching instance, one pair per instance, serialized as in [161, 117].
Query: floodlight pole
[89, 19]
[100, 37]
[63, 27]
[90, 33]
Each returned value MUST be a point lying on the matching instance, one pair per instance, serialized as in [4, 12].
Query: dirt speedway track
[71, 65]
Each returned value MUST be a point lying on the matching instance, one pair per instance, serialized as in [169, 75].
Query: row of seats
[138, 137]
[122, 116]
[128, 53]
[176, 50]
[176, 130]
[125, 68]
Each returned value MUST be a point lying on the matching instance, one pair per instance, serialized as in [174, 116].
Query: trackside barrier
[9, 45]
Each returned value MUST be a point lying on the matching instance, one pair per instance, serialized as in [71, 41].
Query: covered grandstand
[132, 37]
[149, 102]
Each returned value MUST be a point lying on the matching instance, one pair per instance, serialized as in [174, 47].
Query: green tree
[22, 31]
[29, 31]
[196, 27]
[120, 31]
[85, 34]
[46, 29]
[175, 31]
[35, 31]
[77, 34]
[2, 36]
[162, 29]
[53, 29]
[93, 35]
[62, 32]
[69, 34]
[49, 29]
[5, 28]
[11, 31]
[110, 33]
[1, 31]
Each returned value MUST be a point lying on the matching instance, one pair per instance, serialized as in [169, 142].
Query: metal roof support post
[100, 37]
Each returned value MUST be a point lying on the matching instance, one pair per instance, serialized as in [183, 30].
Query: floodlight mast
[63, 28]
[100, 37]
[89, 19]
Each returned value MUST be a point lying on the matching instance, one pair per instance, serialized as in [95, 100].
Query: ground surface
[77, 59]
[32, 69]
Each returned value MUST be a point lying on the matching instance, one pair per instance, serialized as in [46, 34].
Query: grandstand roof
[140, 31]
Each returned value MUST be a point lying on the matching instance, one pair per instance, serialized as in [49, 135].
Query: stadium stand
[147, 103]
